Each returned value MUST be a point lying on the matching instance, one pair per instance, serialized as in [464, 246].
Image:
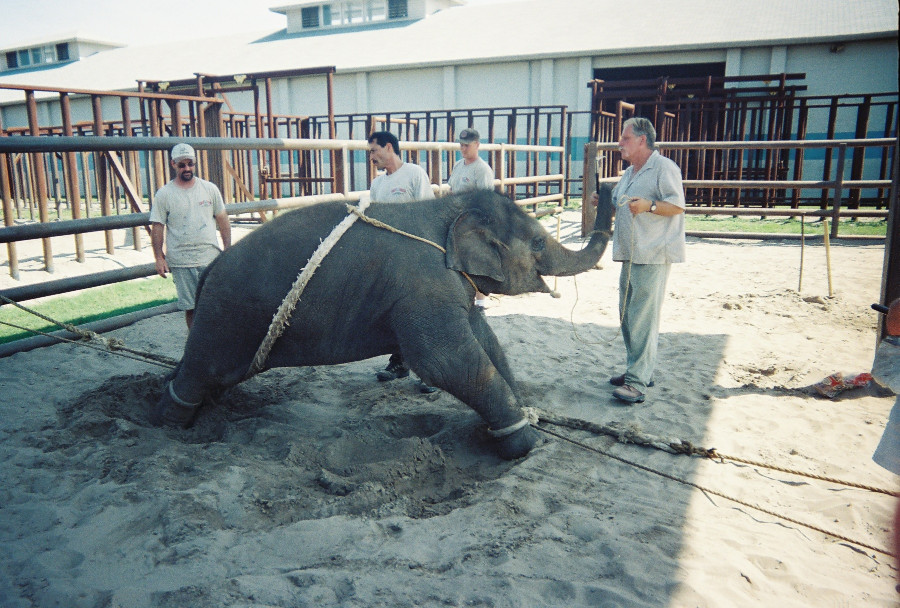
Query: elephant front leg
[489, 343]
[466, 371]
[493, 398]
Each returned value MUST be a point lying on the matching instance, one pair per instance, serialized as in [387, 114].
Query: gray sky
[136, 22]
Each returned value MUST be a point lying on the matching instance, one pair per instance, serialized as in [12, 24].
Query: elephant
[376, 292]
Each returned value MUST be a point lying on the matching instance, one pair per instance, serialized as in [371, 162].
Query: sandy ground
[321, 487]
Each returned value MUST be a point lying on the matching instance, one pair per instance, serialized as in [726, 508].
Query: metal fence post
[838, 187]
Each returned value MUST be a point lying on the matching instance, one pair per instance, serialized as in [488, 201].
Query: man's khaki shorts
[186, 280]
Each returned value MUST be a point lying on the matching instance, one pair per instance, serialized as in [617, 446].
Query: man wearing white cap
[185, 213]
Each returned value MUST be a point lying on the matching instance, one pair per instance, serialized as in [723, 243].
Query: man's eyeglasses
[185, 164]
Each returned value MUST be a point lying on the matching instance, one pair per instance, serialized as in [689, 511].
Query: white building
[394, 55]
[401, 55]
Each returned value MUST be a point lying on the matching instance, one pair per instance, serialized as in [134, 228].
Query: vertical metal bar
[130, 170]
[72, 174]
[175, 110]
[260, 155]
[829, 152]
[589, 181]
[890, 278]
[838, 187]
[273, 154]
[156, 157]
[802, 123]
[39, 177]
[886, 152]
[8, 220]
[338, 165]
[102, 172]
[859, 153]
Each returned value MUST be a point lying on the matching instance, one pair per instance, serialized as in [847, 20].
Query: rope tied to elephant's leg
[282, 316]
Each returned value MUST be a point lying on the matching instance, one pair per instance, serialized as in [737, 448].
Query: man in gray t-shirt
[400, 183]
[471, 172]
[184, 217]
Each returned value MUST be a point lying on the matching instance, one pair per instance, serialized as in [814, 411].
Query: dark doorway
[652, 72]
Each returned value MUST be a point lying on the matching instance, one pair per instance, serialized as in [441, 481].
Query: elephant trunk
[561, 262]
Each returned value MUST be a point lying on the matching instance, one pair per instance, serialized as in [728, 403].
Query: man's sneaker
[394, 370]
[628, 394]
[620, 381]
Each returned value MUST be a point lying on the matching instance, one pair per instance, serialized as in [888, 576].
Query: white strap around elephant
[281, 319]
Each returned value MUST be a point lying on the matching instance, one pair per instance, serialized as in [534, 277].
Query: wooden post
[6, 196]
[827, 256]
[102, 172]
[156, 157]
[263, 186]
[588, 186]
[829, 152]
[72, 174]
[274, 170]
[859, 153]
[339, 170]
[838, 187]
[131, 172]
[435, 167]
[39, 176]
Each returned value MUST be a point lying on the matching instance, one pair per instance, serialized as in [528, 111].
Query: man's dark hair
[383, 138]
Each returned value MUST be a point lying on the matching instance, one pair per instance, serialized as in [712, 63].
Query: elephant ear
[471, 247]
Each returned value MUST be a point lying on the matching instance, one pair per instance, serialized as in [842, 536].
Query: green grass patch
[86, 306]
[773, 225]
[782, 225]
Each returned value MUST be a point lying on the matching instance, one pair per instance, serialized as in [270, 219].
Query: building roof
[62, 37]
[487, 33]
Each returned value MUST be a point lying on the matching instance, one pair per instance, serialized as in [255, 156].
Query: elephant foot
[517, 443]
[172, 411]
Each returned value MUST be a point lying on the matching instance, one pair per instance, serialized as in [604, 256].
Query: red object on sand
[836, 383]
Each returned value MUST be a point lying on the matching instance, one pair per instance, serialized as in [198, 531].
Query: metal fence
[213, 155]
[603, 160]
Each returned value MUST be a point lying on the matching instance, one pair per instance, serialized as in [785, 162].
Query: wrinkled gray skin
[377, 291]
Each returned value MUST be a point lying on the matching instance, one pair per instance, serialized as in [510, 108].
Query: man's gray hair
[642, 126]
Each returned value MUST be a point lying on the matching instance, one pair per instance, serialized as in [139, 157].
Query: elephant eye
[537, 244]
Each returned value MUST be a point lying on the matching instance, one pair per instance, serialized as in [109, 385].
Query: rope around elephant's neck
[359, 214]
[389, 228]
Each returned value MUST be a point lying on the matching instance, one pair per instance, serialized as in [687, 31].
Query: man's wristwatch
[652, 206]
